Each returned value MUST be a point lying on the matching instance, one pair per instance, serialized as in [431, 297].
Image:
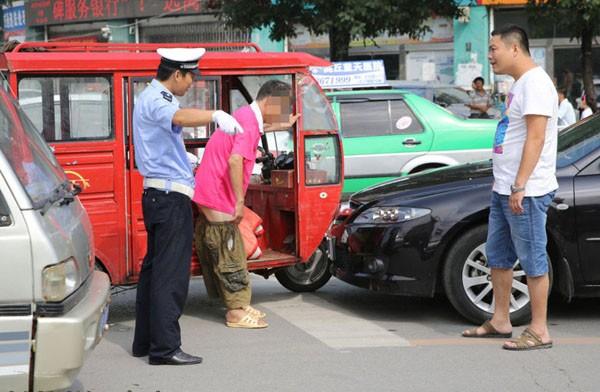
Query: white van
[53, 305]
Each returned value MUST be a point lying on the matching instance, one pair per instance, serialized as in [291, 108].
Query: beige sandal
[254, 312]
[249, 322]
[528, 340]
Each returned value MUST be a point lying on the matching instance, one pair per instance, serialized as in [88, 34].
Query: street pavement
[343, 338]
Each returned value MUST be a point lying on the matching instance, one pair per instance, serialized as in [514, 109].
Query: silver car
[53, 305]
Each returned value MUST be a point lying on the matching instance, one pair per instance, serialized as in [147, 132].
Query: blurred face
[277, 109]
[478, 85]
[501, 55]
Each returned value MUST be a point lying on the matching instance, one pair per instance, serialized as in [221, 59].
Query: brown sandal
[490, 332]
[528, 340]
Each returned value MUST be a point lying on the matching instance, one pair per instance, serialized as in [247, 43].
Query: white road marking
[336, 329]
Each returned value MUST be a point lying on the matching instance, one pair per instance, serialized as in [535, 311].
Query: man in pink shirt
[221, 183]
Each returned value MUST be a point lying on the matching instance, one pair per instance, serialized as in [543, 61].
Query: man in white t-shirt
[524, 165]
[566, 112]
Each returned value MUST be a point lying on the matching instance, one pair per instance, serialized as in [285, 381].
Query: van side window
[4, 213]
[67, 108]
[377, 118]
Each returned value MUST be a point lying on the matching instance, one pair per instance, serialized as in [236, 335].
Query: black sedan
[426, 233]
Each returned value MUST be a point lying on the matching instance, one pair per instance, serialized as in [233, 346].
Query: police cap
[181, 58]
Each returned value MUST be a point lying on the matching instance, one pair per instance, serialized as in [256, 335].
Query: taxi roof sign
[351, 74]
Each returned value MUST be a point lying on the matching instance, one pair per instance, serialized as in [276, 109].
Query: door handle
[411, 142]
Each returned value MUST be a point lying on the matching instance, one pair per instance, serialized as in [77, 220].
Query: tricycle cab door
[319, 165]
[203, 94]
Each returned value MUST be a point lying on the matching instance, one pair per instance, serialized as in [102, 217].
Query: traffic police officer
[161, 158]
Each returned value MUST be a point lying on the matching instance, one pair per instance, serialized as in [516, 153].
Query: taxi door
[79, 116]
[203, 94]
[320, 173]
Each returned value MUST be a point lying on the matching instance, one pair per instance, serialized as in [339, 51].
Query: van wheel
[306, 277]
[468, 284]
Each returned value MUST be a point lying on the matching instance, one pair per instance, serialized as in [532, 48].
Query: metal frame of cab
[113, 198]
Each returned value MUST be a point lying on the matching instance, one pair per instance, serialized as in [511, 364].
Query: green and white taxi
[389, 133]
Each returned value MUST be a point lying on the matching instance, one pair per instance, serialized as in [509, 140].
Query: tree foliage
[582, 19]
[343, 20]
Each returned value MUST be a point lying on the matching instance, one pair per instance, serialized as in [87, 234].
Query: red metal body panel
[113, 186]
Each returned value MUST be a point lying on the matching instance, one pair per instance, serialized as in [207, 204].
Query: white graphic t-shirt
[533, 93]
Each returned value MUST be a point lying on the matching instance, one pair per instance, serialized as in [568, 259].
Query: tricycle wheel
[306, 277]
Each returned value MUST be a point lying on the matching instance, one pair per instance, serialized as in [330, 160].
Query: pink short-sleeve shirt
[213, 184]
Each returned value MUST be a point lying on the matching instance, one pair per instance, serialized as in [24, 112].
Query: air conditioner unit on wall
[466, 15]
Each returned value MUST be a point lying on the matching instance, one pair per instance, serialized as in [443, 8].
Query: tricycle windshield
[28, 154]
[316, 111]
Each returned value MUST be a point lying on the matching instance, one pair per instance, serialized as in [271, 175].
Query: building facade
[136, 21]
[453, 51]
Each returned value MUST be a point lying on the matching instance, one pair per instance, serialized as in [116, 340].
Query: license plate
[103, 321]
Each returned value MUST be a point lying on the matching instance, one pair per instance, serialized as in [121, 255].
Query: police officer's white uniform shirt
[159, 148]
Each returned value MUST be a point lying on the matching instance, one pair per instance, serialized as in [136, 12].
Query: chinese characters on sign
[14, 21]
[48, 12]
[347, 74]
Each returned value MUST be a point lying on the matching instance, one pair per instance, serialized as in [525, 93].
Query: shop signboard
[14, 21]
[50, 12]
[350, 74]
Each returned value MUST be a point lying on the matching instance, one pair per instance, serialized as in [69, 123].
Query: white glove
[227, 123]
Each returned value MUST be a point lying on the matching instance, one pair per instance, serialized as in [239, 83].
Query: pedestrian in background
[481, 101]
[524, 166]
[221, 183]
[161, 158]
[586, 110]
[566, 111]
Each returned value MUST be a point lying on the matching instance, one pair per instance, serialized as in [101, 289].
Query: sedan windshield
[28, 154]
[578, 141]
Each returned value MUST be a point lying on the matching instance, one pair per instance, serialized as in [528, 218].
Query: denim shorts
[523, 236]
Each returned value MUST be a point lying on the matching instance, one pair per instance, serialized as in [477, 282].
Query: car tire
[468, 285]
[306, 277]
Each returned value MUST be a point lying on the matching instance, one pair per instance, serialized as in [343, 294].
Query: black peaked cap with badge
[181, 58]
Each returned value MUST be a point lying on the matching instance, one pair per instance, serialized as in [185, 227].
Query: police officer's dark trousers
[164, 279]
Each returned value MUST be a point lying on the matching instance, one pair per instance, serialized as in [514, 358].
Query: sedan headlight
[391, 214]
[60, 280]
